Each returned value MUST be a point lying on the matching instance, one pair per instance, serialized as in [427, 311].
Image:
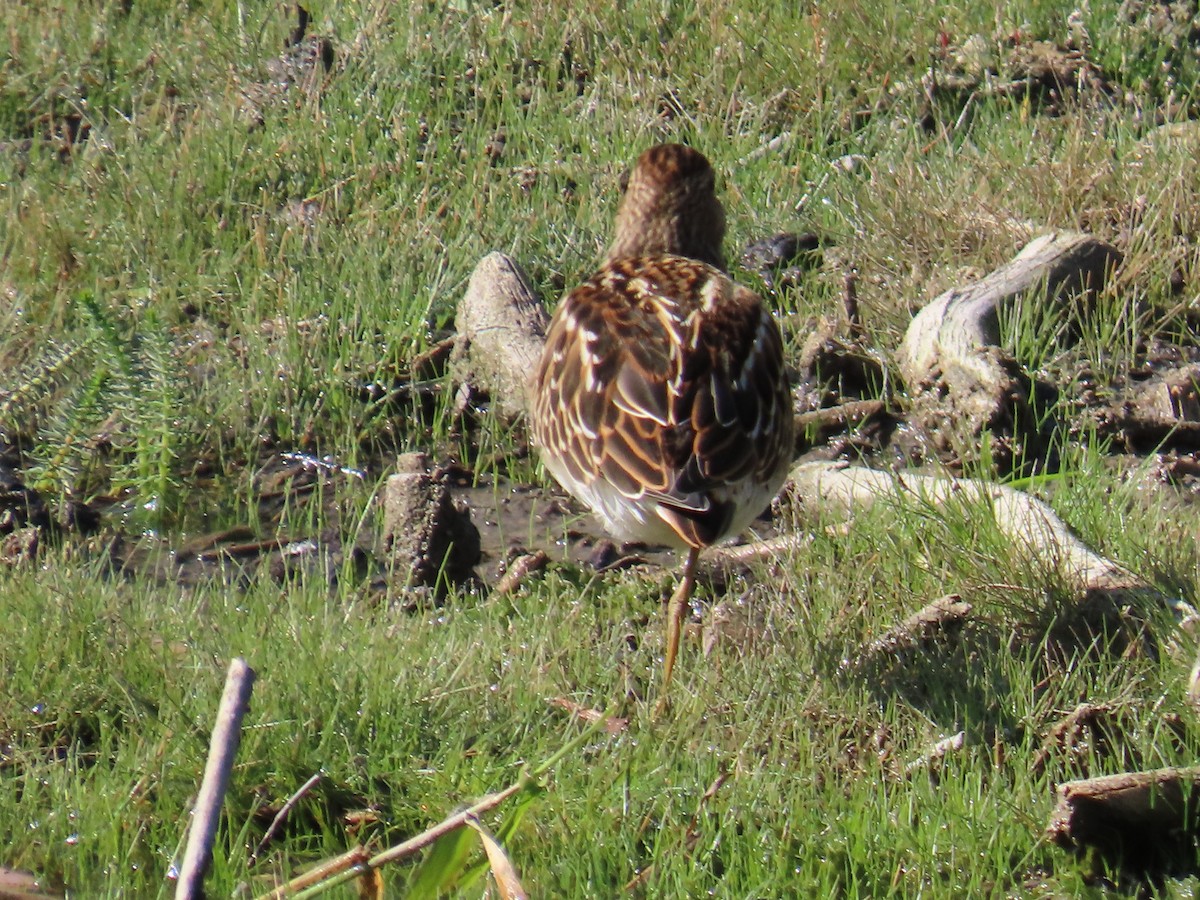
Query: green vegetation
[209, 257]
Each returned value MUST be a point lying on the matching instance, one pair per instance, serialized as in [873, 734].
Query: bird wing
[675, 389]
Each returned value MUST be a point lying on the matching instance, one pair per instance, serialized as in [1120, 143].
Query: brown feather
[663, 380]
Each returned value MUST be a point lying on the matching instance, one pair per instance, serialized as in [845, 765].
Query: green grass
[208, 280]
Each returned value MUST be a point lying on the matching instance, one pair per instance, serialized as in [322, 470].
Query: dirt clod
[1140, 820]
[21, 546]
[430, 539]
[776, 258]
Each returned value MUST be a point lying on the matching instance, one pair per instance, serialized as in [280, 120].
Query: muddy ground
[1152, 419]
[1152, 414]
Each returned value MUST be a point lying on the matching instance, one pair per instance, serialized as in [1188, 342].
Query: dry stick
[769, 548]
[957, 326]
[458, 820]
[353, 863]
[763, 149]
[355, 858]
[1130, 811]
[282, 815]
[937, 752]
[841, 416]
[227, 733]
[826, 486]
[961, 381]
[519, 570]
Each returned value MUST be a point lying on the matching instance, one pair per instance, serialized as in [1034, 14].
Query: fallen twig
[1096, 720]
[1137, 816]
[356, 858]
[936, 621]
[612, 724]
[432, 362]
[850, 302]
[826, 487]
[227, 733]
[282, 815]
[756, 550]
[518, 570]
[962, 382]
[840, 416]
[937, 753]
[763, 149]
[356, 862]
[692, 835]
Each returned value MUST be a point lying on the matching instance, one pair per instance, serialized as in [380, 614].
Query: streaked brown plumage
[661, 399]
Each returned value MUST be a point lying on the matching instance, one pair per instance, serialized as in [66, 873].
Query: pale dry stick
[520, 568]
[850, 302]
[317, 877]
[768, 147]
[937, 752]
[227, 734]
[765, 549]
[824, 487]
[807, 197]
[954, 328]
[852, 412]
[966, 391]
[938, 619]
[430, 836]
[354, 863]
[1127, 810]
[283, 813]
[971, 100]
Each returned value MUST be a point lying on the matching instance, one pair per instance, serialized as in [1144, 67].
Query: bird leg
[675, 610]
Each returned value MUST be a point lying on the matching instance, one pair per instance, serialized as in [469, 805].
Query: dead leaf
[502, 867]
[613, 725]
[370, 885]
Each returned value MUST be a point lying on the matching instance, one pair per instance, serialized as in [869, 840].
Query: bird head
[670, 206]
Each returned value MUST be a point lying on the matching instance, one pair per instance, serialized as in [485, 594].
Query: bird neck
[679, 235]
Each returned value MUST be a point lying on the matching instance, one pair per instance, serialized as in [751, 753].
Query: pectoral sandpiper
[661, 399]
